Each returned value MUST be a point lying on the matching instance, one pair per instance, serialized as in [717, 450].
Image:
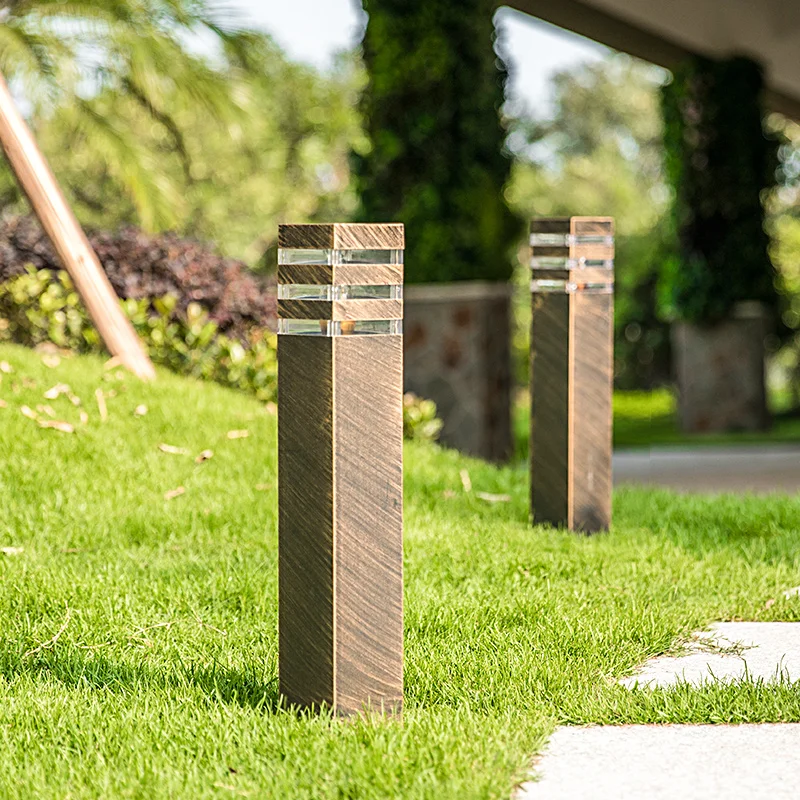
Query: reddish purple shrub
[140, 265]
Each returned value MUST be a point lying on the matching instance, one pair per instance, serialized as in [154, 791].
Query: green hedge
[437, 160]
[720, 163]
[41, 306]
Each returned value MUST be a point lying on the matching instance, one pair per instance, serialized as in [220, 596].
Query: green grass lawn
[138, 655]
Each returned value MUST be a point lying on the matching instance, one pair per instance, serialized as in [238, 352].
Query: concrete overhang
[665, 32]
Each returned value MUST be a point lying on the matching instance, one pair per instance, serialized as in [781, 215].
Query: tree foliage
[282, 155]
[437, 160]
[62, 53]
[721, 165]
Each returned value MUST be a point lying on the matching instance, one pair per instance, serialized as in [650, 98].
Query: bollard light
[572, 366]
[340, 466]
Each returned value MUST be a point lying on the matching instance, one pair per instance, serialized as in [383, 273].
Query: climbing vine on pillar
[720, 164]
[437, 160]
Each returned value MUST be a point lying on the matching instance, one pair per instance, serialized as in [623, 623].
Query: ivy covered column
[437, 162]
[719, 287]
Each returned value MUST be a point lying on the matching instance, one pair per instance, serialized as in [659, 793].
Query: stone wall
[720, 373]
[457, 353]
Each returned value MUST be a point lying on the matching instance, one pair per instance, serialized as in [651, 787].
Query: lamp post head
[340, 279]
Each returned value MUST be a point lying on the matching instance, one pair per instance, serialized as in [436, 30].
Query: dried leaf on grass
[172, 450]
[173, 493]
[790, 593]
[11, 551]
[101, 404]
[140, 411]
[50, 642]
[55, 391]
[3, 404]
[84, 417]
[238, 434]
[493, 498]
[57, 425]
[466, 482]
[28, 412]
[210, 627]
[272, 408]
[51, 360]
[45, 409]
[6, 367]
[204, 456]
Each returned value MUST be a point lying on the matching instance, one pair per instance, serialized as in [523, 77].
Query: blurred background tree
[783, 208]
[437, 159]
[58, 54]
[283, 157]
[157, 113]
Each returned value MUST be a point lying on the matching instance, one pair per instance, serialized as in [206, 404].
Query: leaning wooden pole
[73, 248]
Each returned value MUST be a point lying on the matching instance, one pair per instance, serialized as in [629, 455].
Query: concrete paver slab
[669, 762]
[760, 469]
[730, 651]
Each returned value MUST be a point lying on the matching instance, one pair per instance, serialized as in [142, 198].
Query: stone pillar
[457, 352]
[340, 466]
[572, 370]
[720, 372]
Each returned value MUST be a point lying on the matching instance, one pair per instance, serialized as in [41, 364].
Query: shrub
[142, 267]
[419, 418]
[39, 306]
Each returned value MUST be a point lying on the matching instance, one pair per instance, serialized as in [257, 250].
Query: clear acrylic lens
[567, 240]
[539, 262]
[363, 327]
[368, 256]
[549, 240]
[305, 256]
[322, 327]
[298, 291]
[569, 287]
[305, 327]
[338, 257]
[352, 292]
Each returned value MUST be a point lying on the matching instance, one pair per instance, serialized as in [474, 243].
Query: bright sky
[313, 30]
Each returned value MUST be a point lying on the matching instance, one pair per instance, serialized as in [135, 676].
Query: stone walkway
[759, 468]
[730, 651]
[686, 762]
[669, 762]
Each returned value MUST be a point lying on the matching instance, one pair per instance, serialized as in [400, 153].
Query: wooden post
[73, 248]
[572, 367]
[340, 466]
